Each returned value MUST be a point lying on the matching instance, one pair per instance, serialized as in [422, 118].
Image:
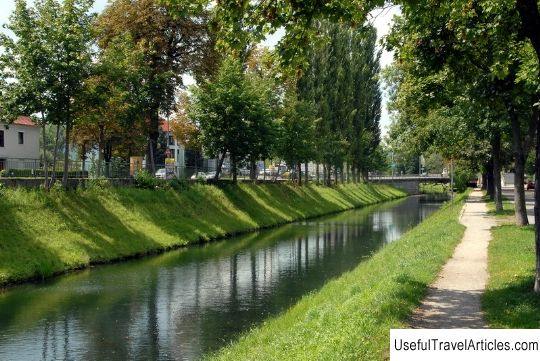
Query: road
[508, 192]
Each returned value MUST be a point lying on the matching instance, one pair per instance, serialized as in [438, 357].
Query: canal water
[189, 302]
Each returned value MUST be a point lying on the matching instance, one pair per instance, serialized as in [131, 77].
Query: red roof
[24, 120]
[165, 126]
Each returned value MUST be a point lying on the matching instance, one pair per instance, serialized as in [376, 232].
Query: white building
[19, 144]
[175, 150]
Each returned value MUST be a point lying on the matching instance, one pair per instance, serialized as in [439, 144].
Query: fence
[33, 168]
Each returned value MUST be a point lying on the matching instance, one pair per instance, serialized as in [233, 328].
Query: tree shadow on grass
[273, 204]
[103, 235]
[22, 255]
[513, 306]
[190, 215]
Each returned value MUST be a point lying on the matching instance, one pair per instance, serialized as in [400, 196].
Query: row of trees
[106, 77]
[106, 82]
[329, 114]
[467, 86]
[472, 63]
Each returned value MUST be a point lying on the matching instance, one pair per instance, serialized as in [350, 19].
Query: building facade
[19, 144]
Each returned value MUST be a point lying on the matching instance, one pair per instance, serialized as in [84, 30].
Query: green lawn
[434, 188]
[509, 301]
[507, 211]
[350, 317]
[47, 233]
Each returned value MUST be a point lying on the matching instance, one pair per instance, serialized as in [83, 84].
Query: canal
[189, 302]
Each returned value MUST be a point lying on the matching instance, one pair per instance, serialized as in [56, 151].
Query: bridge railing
[427, 177]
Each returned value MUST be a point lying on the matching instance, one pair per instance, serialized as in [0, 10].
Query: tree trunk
[233, 170]
[299, 170]
[519, 169]
[489, 178]
[306, 179]
[496, 149]
[317, 171]
[107, 157]
[45, 162]
[66, 153]
[220, 164]
[151, 150]
[100, 150]
[55, 155]
[530, 23]
[537, 205]
[253, 169]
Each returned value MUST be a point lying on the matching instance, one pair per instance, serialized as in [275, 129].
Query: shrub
[461, 178]
[3, 173]
[98, 183]
[143, 179]
[179, 184]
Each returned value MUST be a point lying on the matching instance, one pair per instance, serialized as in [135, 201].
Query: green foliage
[2, 189]
[98, 184]
[179, 184]
[240, 23]
[43, 64]
[234, 113]
[296, 131]
[144, 179]
[154, 50]
[461, 177]
[342, 81]
[508, 301]
[61, 230]
[349, 318]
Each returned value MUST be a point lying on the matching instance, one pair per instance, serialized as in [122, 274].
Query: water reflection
[183, 304]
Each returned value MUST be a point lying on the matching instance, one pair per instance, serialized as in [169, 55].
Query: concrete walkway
[453, 301]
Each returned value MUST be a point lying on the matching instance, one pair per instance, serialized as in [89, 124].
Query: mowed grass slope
[46, 233]
[509, 301]
[350, 318]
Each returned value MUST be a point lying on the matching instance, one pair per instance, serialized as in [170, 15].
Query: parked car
[198, 175]
[530, 185]
[262, 173]
[161, 173]
[210, 175]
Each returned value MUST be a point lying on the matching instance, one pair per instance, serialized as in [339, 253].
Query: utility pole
[452, 179]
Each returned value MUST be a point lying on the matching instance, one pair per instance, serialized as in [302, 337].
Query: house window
[21, 137]
[171, 140]
[1, 138]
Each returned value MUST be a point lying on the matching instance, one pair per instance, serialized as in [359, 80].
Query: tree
[23, 59]
[47, 60]
[233, 114]
[342, 79]
[296, 133]
[166, 48]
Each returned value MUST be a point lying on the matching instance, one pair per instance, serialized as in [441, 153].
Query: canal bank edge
[45, 234]
[350, 318]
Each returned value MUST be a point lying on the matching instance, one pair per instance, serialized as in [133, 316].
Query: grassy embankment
[42, 234]
[506, 212]
[434, 188]
[350, 317]
[509, 301]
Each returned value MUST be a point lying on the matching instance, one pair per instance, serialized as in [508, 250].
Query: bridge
[409, 183]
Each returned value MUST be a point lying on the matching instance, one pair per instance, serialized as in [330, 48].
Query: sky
[381, 19]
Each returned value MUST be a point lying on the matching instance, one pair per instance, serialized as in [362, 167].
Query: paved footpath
[453, 301]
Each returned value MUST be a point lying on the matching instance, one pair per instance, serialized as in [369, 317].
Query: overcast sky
[380, 18]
